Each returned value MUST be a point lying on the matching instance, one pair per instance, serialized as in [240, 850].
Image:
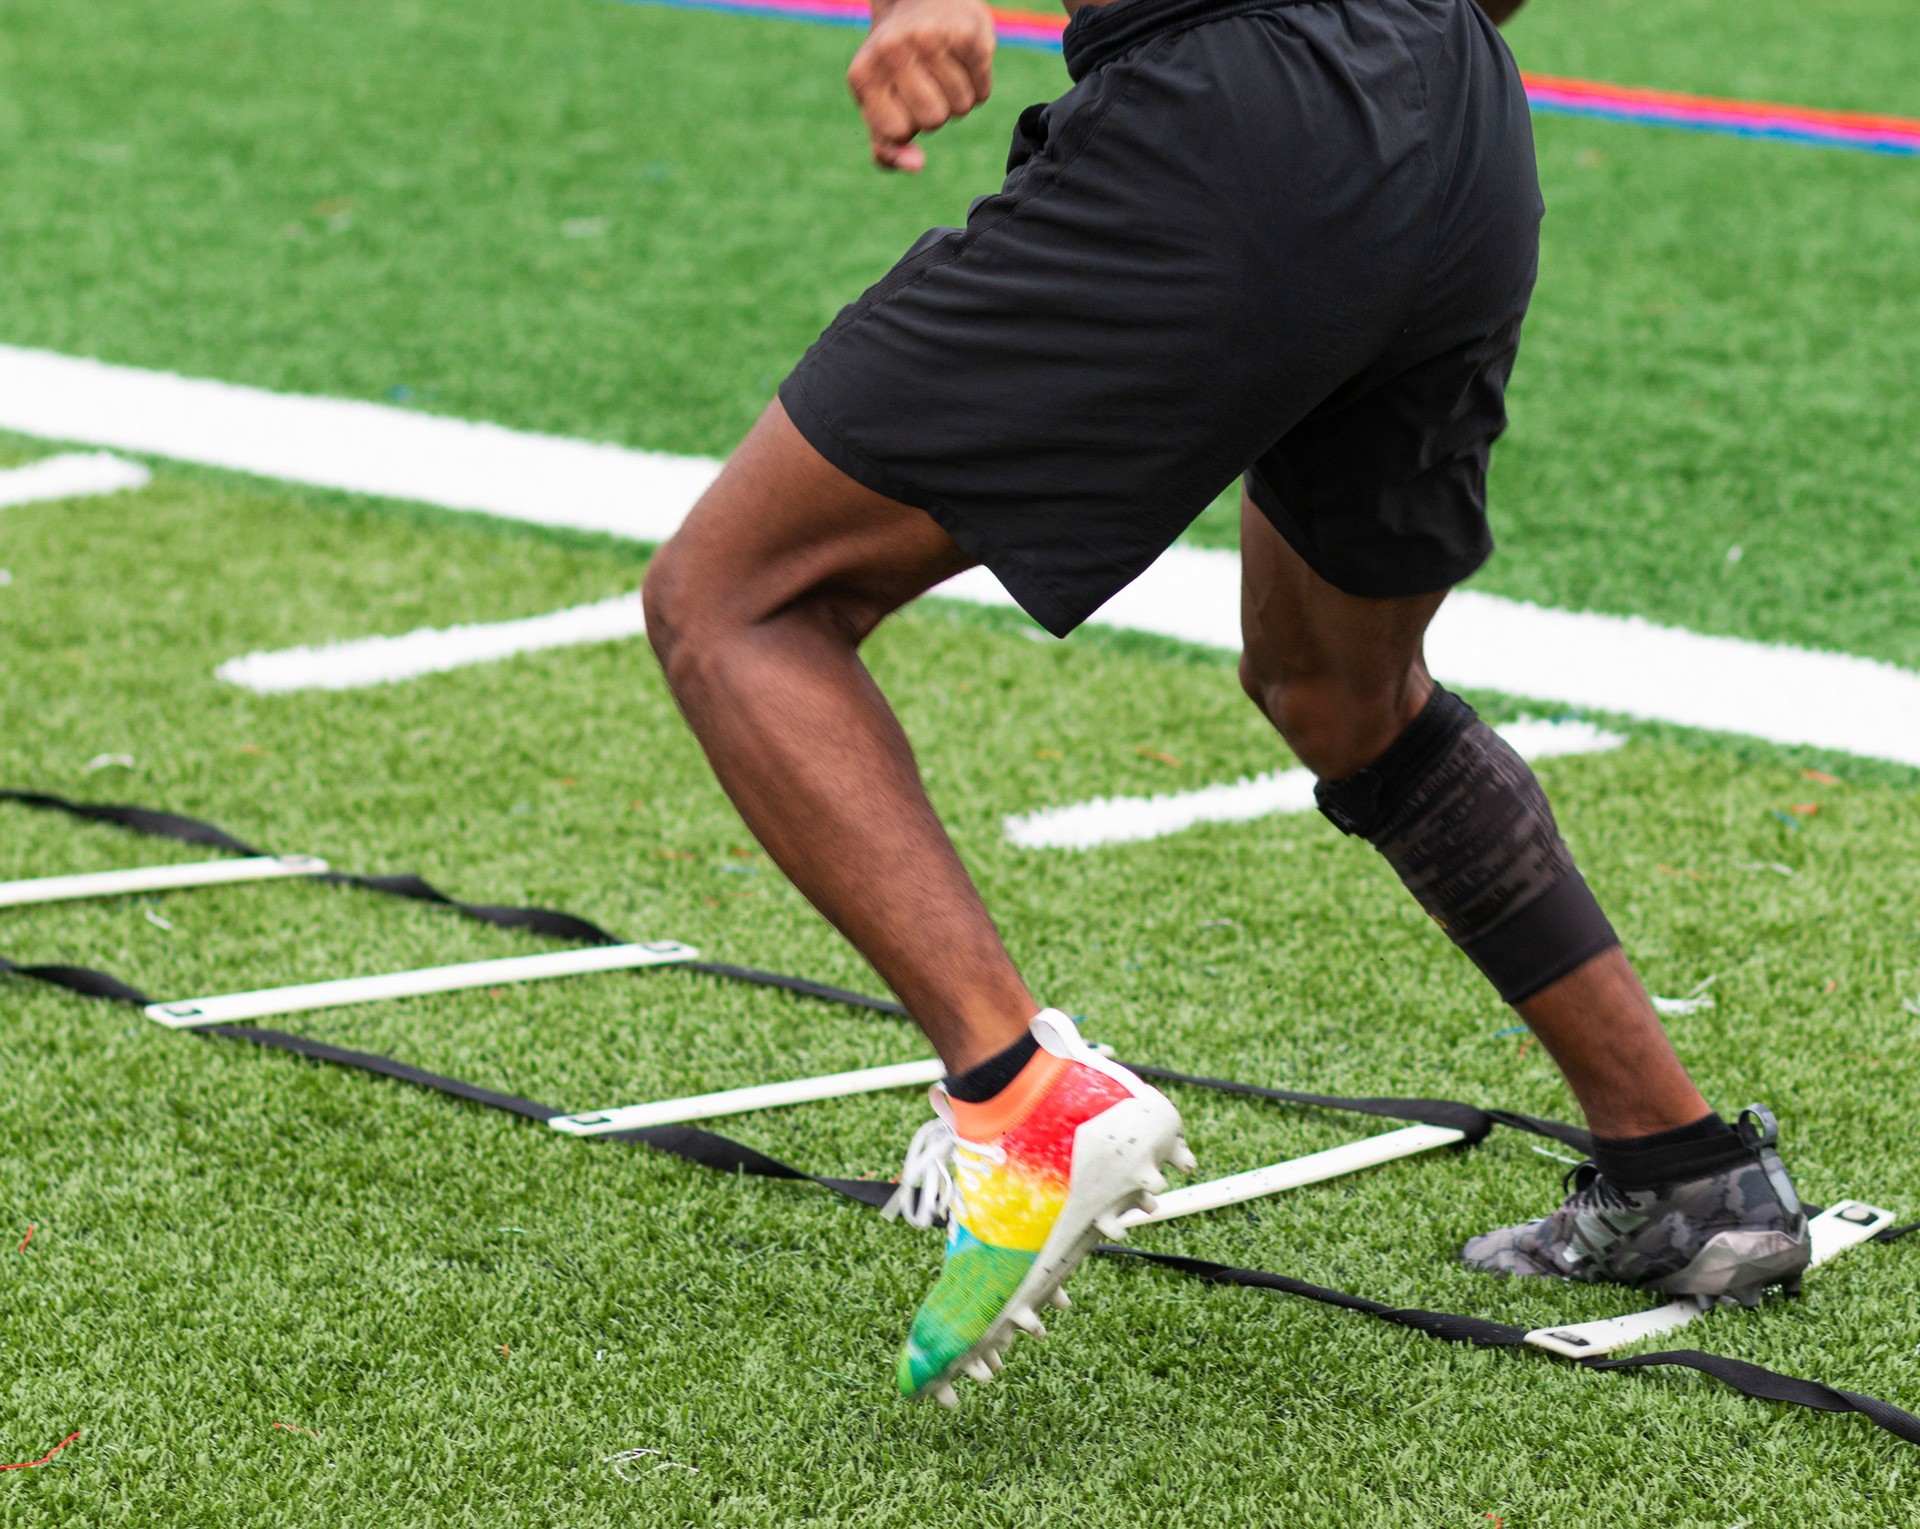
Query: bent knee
[1333, 723]
[693, 611]
[699, 609]
[1300, 702]
[1306, 710]
[1256, 682]
[663, 600]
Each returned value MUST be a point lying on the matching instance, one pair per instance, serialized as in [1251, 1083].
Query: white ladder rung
[158, 878]
[742, 1101]
[1833, 1231]
[1314, 1168]
[231, 1008]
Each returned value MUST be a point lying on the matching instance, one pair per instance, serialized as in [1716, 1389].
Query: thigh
[1206, 236]
[782, 527]
[1299, 630]
[1382, 490]
[1382, 486]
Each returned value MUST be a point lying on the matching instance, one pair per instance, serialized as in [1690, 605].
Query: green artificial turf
[626, 222]
[1845, 55]
[1716, 417]
[470, 1314]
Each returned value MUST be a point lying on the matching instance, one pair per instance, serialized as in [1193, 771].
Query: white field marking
[1314, 1168]
[1681, 1008]
[71, 475]
[627, 1457]
[742, 1101]
[1834, 1230]
[157, 878]
[1621, 664]
[362, 447]
[430, 650]
[227, 1008]
[1127, 819]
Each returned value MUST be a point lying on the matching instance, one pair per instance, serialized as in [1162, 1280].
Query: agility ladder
[665, 1125]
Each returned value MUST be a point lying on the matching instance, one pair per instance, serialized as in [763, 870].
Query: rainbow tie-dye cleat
[1028, 1182]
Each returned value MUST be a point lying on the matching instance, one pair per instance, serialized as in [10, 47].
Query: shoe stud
[1155, 1182]
[979, 1370]
[1111, 1227]
[994, 1361]
[1059, 1297]
[1183, 1157]
[945, 1395]
[1029, 1322]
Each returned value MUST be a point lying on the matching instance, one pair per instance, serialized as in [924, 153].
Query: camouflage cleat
[1723, 1236]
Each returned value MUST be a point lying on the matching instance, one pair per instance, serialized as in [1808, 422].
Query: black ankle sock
[980, 1083]
[1669, 1157]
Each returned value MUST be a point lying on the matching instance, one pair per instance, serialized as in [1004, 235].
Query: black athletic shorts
[1293, 239]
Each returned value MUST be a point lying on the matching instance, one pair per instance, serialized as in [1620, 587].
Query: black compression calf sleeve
[1460, 816]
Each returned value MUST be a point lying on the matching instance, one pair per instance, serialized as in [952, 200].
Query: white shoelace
[928, 1190]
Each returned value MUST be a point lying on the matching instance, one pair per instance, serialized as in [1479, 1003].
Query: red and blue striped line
[1578, 98]
[1020, 29]
[1707, 114]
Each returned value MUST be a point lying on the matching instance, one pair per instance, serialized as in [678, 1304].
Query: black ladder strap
[1474, 1122]
[705, 1148]
[710, 1150]
[1748, 1379]
[1771, 1386]
[79, 979]
[553, 923]
[142, 820]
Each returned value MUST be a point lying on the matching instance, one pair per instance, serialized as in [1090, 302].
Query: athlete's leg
[1341, 678]
[757, 609]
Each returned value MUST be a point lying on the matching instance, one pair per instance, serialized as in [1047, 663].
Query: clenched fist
[924, 63]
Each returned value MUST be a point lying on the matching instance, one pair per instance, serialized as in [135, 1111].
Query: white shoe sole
[1117, 1157]
[1739, 1267]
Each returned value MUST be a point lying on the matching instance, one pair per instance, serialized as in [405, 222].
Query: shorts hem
[1030, 592]
[1371, 580]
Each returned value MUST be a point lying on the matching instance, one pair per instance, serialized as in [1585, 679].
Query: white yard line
[1611, 663]
[1620, 664]
[71, 475]
[362, 447]
[1128, 819]
[430, 650]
